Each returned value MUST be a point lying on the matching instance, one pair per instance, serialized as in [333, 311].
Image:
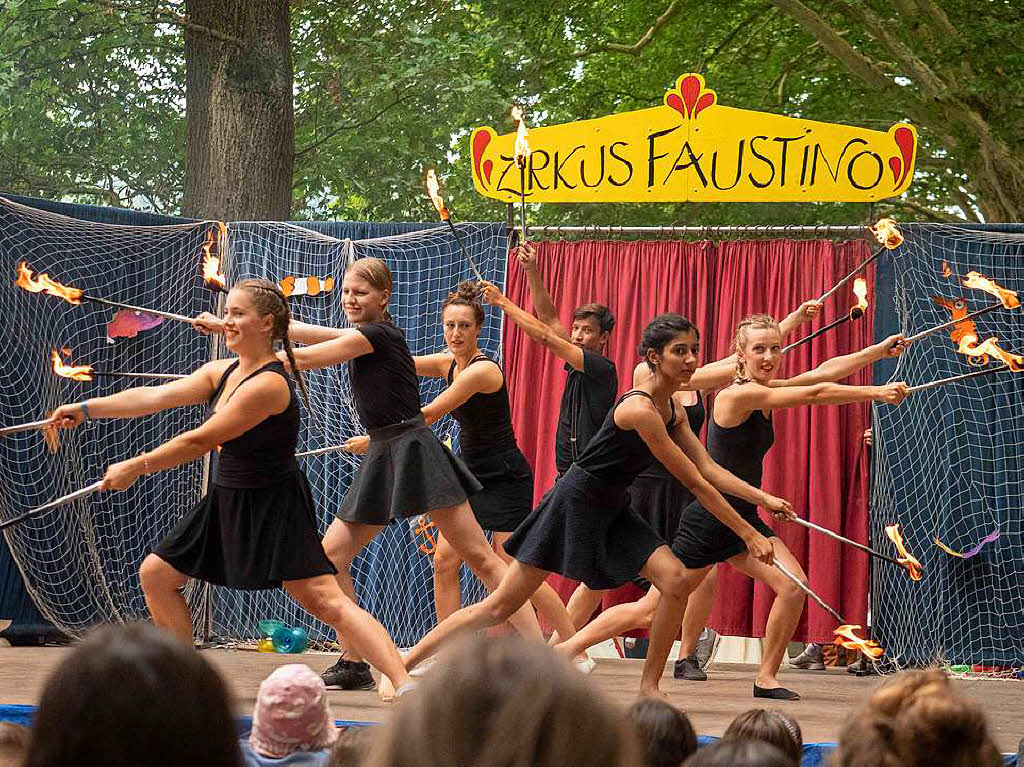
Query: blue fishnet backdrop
[950, 462]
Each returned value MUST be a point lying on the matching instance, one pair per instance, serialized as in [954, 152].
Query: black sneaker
[349, 675]
[689, 669]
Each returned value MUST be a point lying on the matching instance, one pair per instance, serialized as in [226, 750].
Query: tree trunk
[240, 143]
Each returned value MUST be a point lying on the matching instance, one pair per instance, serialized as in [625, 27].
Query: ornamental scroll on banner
[693, 149]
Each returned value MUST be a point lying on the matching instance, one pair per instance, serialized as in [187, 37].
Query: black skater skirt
[659, 499]
[584, 529]
[702, 540]
[507, 495]
[249, 538]
[406, 471]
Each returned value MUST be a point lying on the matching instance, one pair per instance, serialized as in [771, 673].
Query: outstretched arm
[542, 302]
[300, 332]
[534, 328]
[144, 400]
[755, 397]
[265, 395]
[648, 424]
[723, 480]
[482, 377]
[433, 365]
[838, 368]
[348, 345]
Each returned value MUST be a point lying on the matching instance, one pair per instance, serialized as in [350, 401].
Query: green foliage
[92, 95]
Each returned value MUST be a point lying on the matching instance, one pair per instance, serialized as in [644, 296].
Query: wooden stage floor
[828, 696]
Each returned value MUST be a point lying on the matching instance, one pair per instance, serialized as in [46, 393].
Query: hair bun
[469, 290]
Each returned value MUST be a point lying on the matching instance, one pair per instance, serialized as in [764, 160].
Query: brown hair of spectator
[664, 733]
[13, 743]
[772, 726]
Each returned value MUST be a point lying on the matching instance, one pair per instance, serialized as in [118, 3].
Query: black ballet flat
[775, 693]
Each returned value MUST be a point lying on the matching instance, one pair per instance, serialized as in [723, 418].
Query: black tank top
[485, 420]
[616, 456]
[265, 454]
[741, 449]
[695, 417]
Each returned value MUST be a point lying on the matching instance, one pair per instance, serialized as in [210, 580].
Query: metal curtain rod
[822, 229]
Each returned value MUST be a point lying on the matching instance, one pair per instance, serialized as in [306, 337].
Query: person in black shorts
[584, 529]
[256, 527]
[406, 471]
[740, 433]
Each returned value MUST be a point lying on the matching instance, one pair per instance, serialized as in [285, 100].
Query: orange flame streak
[74, 372]
[860, 289]
[981, 282]
[43, 284]
[947, 270]
[910, 563]
[887, 233]
[434, 192]
[211, 264]
[846, 637]
[522, 137]
[970, 347]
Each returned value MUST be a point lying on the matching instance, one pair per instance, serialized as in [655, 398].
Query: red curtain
[816, 461]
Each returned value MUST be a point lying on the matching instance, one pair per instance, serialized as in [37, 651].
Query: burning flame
[74, 372]
[904, 557]
[887, 233]
[43, 284]
[846, 637]
[981, 282]
[211, 264]
[860, 289]
[434, 192]
[522, 137]
[947, 270]
[970, 347]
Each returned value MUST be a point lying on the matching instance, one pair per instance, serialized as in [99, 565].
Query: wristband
[85, 410]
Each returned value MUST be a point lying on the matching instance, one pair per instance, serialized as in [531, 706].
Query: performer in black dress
[406, 471]
[660, 499]
[256, 527]
[478, 399]
[740, 433]
[584, 529]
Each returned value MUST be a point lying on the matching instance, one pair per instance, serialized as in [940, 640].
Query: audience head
[664, 733]
[131, 695]
[740, 753]
[291, 713]
[773, 726]
[503, 703]
[351, 747]
[917, 719]
[13, 744]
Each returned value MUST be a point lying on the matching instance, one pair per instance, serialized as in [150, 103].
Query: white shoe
[584, 665]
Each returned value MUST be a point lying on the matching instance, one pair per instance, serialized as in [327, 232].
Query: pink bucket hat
[291, 713]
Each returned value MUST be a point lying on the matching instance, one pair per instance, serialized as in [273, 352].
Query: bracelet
[85, 410]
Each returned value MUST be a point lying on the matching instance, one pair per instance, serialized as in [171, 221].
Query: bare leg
[322, 598]
[582, 604]
[698, 611]
[447, 587]
[161, 586]
[785, 612]
[612, 622]
[342, 544]
[459, 526]
[676, 583]
[519, 582]
[545, 598]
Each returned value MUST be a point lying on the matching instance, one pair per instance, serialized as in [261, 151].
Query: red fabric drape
[815, 460]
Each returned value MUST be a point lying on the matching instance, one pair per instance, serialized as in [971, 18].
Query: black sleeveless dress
[656, 495]
[406, 470]
[487, 445]
[256, 526]
[701, 539]
[584, 528]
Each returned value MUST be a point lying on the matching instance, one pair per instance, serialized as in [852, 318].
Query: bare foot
[652, 692]
[385, 688]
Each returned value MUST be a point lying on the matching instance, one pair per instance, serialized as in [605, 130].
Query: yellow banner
[692, 149]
